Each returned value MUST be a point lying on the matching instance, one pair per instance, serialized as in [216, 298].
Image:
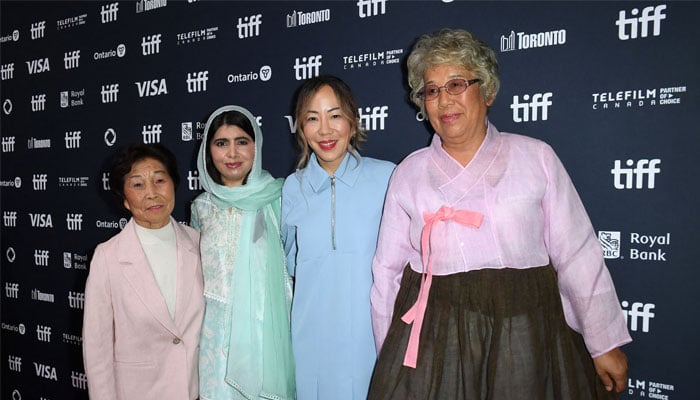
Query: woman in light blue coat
[331, 209]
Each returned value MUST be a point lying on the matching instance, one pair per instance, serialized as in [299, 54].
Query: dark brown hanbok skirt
[493, 334]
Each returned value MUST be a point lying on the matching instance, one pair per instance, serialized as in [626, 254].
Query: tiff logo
[105, 181]
[41, 258]
[15, 363]
[39, 181]
[9, 218]
[249, 26]
[150, 44]
[528, 111]
[38, 102]
[7, 71]
[636, 312]
[307, 68]
[634, 22]
[76, 300]
[193, 182]
[11, 290]
[151, 133]
[8, 144]
[74, 222]
[71, 59]
[108, 12]
[73, 139]
[109, 93]
[78, 380]
[373, 117]
[197, 81]
[369, 8]
[38, 66]
[622, 177]
[37, 30]
[43, 333]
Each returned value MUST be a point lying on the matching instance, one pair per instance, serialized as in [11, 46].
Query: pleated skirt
[492, 334]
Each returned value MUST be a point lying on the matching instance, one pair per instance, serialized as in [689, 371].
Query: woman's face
[232, 151]
[457, 118]
[326, 129]
[149, 193]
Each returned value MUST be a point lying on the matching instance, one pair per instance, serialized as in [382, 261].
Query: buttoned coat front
[132, 347]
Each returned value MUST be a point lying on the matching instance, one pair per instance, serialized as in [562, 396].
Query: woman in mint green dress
[245, 346]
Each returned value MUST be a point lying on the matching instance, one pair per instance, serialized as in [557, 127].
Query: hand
[612, 369]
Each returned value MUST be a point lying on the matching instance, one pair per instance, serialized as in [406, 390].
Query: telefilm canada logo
[636, 246]
[197, 35]
[71, 22]
[371, 59]
[639, 97]
[649, 389]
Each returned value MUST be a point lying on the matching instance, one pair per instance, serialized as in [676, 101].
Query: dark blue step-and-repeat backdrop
[612, 86]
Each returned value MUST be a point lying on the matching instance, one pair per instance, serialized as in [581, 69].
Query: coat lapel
[187, 263]
[138, 273]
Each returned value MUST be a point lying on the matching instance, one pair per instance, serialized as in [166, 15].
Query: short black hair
[135, 152]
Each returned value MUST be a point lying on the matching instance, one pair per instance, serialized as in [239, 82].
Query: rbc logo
[643, 22]
[610, 241]
[529, 111]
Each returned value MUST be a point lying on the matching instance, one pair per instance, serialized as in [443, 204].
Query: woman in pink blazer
[143, 297]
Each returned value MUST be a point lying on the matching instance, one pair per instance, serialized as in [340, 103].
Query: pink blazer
[132, 348]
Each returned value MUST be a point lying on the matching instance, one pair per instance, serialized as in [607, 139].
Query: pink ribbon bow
[417, 312]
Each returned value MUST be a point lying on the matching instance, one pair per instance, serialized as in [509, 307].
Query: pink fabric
[417, 312]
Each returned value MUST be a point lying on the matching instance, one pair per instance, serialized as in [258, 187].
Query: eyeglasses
[453, 86]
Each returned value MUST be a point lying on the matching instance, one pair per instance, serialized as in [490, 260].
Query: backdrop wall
[612, 86]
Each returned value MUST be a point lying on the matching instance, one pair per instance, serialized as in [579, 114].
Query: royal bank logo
[197, 81]
[73, 181]
[37, 29]
[198, 35]
[38, 102]
[249, 26]
[640, 247]
[372, 118]
[72, 139]
[71, 59]
[9, 219]
[189, 133]
[71, 22]
[149, 5]
[531, 108]
[625, 99]
[108, 12]
[150, 44]
[301, 18]
[525, 41]
[610, 242]
[154, 87]
[12, 290]
[78, 379]
[109, 93]
[151, 133]
[74, 260]
[371, 8]
[372, 59]
[14, 363]
[193, 182]
[72, 98]
[307, 67]
[7, 71]
[637, 26]
[119, 51]
[8, 144]
[640, 174]
[34, 143]
[39, 181]
[74, 222]
[38, 295]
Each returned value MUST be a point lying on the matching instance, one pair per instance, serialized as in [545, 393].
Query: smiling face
[326, 129]
[459, 120]
[149, 193]
[232, 152]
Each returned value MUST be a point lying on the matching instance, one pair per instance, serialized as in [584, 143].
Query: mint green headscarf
[259, 355]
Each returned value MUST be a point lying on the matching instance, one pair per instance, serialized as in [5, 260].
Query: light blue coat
[329, 228]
